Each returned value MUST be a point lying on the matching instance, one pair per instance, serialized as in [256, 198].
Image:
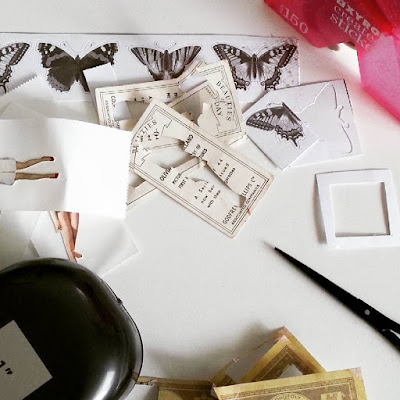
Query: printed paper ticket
[107, 98]
[338, 385]
[204, 199]
[221, 115]
[214, 105]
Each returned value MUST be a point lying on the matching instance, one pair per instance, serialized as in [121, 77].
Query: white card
[139, 58]
[21, 369]
[277, 130]
[326, 180]
[94, 181]
[325, 107]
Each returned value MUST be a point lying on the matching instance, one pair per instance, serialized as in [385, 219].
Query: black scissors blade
[388, 328]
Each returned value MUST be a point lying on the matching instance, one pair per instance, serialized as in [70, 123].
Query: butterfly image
[279, 118]
[10, 56]
[165, 65]
[64, 70]
[266, 68]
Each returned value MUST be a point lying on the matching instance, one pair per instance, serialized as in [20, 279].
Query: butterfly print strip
[165, 65]
[64, 70]
[265, 68]
[10, 56]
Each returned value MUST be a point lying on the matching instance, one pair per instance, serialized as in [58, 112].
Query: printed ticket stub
[107, 98]
[21, 370]
[214, 105]
[203, 198]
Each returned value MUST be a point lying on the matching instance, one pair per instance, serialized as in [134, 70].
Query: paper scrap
[286, 352]
[326, 109]
[35, 95]
[22, 371]
[46, 165]
[204, 199]
[272, 359]
[277, 131]
[346, 384]
[324, 183]
[258, 63]
[104, 243]
[102, 76]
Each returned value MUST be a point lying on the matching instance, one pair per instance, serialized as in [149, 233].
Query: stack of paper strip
[280, 368]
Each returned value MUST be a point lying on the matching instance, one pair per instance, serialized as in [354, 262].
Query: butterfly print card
[258, 64]
[325, 107]
[278, 131]
[208, 200]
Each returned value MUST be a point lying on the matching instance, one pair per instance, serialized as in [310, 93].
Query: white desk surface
[200, 298]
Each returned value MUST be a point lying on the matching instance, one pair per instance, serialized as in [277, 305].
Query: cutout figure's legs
[29, 163]
[21, 175]
[68, 223]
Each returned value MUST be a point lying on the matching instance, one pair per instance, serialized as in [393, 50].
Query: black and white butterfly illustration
[64, 70]
[265, 68]
[163, 64]
[10, 56]
[279, 118]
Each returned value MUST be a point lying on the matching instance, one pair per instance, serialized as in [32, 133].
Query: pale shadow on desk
[319, 226]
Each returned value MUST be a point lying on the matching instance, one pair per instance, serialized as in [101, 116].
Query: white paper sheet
[16, 228]
[177, 50]
[325, 181]
[277, 131]
[33, 233]
[92, 181]
[204, 198]
[325, 107]
[36, 95]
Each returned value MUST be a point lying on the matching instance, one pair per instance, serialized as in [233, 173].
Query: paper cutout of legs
[67, 223]
[9, 170]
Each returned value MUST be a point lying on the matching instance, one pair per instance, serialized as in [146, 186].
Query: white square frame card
[324, 183]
